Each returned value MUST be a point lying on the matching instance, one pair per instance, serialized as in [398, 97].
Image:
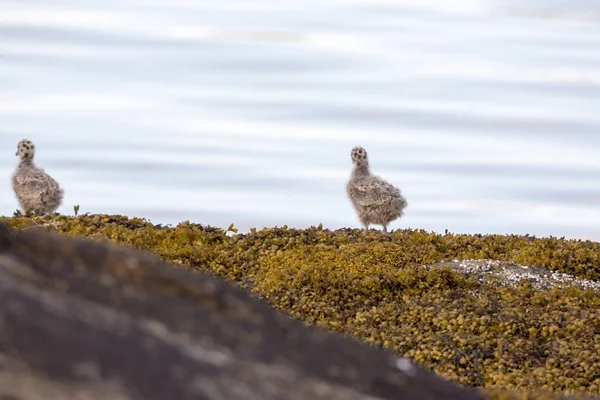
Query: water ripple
[485, 113]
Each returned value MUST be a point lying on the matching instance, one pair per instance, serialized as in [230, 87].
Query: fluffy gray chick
[36, 191]
[375, 200]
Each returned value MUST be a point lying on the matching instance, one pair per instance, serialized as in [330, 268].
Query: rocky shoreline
[507, 330]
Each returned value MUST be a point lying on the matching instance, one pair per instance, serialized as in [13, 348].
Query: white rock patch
[511, 273]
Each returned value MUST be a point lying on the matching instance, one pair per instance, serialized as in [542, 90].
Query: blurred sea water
[485, 113]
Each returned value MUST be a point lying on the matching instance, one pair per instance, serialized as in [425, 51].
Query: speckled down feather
[375, 200]
[36, 191]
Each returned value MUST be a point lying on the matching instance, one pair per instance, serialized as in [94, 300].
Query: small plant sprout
[232, 229]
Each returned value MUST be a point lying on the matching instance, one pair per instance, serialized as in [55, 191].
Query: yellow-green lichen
[515, 342]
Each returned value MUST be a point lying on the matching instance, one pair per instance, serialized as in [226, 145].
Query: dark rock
[88, 320]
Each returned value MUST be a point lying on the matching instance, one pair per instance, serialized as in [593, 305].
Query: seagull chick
[375, 200]
[36, 191]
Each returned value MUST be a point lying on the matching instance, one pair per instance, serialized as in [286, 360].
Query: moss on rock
[512, 341]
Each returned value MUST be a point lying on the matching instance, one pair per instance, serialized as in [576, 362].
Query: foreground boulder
[86, 320]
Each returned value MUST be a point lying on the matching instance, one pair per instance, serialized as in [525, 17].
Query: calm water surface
[485, 113]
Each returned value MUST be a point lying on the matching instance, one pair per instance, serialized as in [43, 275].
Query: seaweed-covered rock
[515, 332]
[85, 320]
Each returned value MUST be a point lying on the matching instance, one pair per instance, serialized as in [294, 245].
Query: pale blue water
[485, 113]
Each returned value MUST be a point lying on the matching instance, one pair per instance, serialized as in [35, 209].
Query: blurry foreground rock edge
[89, 320]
